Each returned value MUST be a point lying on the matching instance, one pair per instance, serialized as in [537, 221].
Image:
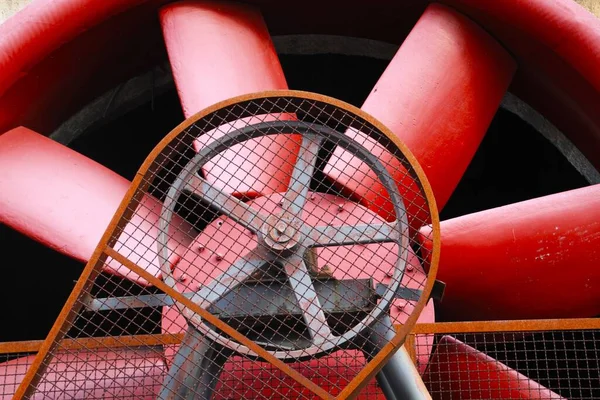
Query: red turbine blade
[535, 259]
[458, 371]
[219, 50]
[66, 201]
[92, 374]
[438, 95]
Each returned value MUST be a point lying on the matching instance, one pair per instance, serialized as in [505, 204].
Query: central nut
[282, 232]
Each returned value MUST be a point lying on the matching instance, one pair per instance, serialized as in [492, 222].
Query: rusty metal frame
[132, 199]
[109, 342]
[160, 339]
[527, 325]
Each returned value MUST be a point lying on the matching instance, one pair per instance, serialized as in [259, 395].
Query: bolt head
[280, 227]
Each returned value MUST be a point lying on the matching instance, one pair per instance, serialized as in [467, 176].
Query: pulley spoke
[307, 299]
[354, 234]
[237, 273]
[234, 208]
[295, 196]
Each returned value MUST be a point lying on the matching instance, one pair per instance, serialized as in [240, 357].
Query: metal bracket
[258, 298]
[406, 293]
[266, 304]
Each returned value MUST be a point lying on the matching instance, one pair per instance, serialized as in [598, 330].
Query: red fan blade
[534, 259]
[65, 200]
[458, 371]
[220, 50]
[438, 95]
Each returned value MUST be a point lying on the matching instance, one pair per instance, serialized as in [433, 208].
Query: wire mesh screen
[514, 365]
[280, 281]
[13, 367]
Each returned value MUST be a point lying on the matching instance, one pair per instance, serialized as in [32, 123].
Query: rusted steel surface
[33, 346]
[508, 326]
[287, 235]
[313, 316]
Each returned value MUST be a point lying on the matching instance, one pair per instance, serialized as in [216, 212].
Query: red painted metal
[438, 95]
[557, 46]
[130, 373]
[219, 50]
[556, 43]
[223, 237]
[458, 371]
[41, 63]
[51, 23]
[65, 200]
[535, 259]
[254, 380]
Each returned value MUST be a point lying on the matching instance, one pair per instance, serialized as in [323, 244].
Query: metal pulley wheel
[303, 272]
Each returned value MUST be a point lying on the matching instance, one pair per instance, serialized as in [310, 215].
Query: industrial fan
[287, 233]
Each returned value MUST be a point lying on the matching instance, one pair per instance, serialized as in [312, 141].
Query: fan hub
[282, 233]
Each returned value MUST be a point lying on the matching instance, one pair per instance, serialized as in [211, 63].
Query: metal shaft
[195, 370]
[398, 379]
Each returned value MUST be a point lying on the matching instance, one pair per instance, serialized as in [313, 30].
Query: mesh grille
[513, 365]
[13, 367]
[279, 285]
[535, 364]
